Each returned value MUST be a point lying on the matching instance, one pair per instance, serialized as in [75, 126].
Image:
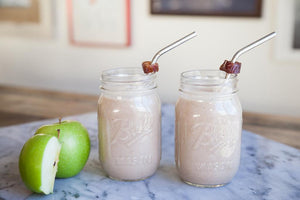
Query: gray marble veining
[268, 170]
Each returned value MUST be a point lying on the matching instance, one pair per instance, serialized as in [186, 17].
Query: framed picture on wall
[288, 28]
[19, 11]
[99, 23]
[27, 18]
[238, 8]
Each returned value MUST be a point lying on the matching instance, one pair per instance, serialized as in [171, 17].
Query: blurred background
[65, 45]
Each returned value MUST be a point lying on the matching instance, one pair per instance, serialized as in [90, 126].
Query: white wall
[266, 84]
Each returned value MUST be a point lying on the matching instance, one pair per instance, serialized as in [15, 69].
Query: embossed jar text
[208, 128]
[129, 127]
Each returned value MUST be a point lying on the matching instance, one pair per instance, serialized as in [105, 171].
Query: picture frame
[30, 19]
[19, 11]
[287, 33]
[225, 8]
[99, 23]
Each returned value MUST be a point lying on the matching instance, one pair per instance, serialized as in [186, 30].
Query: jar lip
[126, 75]
[205, 77]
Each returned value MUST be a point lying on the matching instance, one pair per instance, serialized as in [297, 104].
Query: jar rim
[126, 75]
[205, 77]
[205, 82]
[127, 79]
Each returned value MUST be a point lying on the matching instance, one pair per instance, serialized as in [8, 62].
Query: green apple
[38, 162]
[75, 149]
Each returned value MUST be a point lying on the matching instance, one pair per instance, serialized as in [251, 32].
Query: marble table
[268, 170]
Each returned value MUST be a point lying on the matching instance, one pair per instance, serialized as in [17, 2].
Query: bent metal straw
[152, 67]
[248, 48]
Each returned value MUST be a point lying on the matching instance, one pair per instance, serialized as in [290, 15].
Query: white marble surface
[268, 170]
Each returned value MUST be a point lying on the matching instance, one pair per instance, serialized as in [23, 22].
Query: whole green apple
[38, 162]
[75, 149]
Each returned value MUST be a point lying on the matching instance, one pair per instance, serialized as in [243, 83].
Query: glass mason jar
[208, 128]
[129, 124]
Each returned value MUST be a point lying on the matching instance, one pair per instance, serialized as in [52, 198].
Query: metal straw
[172, 46]
[249, 47]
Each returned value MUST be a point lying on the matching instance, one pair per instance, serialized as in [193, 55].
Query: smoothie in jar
[208, 128]
[129, 125]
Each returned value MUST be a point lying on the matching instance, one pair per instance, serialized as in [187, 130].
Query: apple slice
[38, 162]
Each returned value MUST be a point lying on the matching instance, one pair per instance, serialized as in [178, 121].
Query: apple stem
[59, 120]
[58, 132]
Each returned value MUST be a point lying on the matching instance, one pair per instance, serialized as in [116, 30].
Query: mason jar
[129, 124]
[208, 128]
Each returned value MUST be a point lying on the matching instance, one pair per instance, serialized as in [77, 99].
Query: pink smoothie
[129, 135]
[208, 139]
